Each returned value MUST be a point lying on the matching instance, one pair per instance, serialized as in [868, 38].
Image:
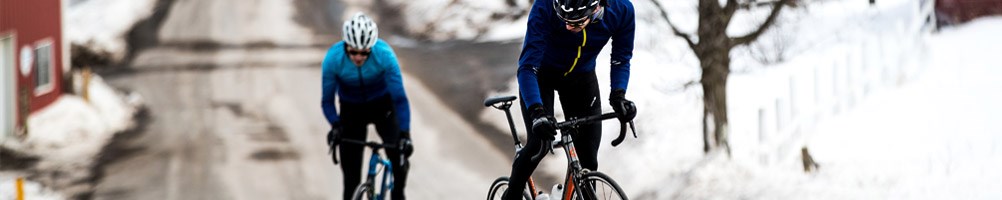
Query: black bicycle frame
[566, 141]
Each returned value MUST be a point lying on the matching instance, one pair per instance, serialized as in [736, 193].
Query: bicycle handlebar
[373, 145]
[505, 102]
[569, 124]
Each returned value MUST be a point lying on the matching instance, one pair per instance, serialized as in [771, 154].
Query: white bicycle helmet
[360, 32]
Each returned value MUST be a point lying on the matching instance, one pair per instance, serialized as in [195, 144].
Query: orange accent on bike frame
[570, 181]
[574, 152]
[570, 188]
[532, 188]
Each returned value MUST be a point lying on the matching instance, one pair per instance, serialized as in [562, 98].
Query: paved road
[239, 118]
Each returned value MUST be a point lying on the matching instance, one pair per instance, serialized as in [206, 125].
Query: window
[43, 69]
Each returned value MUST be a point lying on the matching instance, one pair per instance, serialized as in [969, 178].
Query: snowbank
[68, 135]
[72, 128]
[103, 24]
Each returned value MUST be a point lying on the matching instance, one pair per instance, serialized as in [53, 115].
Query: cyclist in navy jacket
[561, 43]
[364, 72]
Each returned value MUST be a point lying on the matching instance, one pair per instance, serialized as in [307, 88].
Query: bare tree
[713, 51]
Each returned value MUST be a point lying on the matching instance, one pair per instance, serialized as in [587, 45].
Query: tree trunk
[714, 81]
[713, 50]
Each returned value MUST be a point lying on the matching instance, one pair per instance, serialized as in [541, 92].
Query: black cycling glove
[406, 146]
[334, 139]
[625, 109]
[543, 125]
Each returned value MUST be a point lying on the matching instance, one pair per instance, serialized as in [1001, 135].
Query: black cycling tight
[355, 119]
[579, 97]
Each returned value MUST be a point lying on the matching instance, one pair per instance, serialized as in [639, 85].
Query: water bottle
[557, 191]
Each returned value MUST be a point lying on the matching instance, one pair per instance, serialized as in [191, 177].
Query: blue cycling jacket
[549, 45]
[379, 75]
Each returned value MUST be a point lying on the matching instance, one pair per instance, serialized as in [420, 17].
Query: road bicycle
[377, 164]
[580, 183]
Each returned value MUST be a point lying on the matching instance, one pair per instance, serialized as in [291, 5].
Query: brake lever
[634, 129]
[542, 152]
[622, 132]
[333, 153]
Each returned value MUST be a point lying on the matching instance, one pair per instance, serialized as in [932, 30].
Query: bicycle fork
[387, 182]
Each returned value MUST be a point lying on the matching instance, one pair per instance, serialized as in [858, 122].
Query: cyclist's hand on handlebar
[625, 109]
[406, 146]
[544, 126]
[334, 139]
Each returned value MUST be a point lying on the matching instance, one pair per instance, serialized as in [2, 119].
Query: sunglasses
[577, 23]
[357, 53]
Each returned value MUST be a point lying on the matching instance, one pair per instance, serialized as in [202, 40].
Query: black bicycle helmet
[574, 10]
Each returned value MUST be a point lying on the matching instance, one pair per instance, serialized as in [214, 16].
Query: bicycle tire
[598, 186]
[363, 192]
[498, 188]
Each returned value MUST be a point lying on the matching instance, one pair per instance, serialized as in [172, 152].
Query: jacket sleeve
[532, 52]
[395, 84]
[622, 47]
[330, 85]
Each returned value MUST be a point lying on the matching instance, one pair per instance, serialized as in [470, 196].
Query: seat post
[511, 124]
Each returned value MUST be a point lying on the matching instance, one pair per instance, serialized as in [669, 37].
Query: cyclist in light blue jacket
[363, 71]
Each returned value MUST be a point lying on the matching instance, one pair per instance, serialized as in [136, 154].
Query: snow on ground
[72, 127]
[102, 24]
[68, 135]
[934, 138]
[931, 138]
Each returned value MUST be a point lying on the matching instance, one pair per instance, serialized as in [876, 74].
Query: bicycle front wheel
[598, 186]
[500, 186]
[363, 192]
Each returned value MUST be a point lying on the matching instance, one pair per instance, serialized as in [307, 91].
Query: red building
[32, 58]
[960, 11]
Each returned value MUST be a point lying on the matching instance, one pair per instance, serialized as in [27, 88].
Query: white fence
[773, 110]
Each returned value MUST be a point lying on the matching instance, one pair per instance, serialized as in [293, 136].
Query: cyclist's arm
[532, 52]
[622, 45]
[330, 83]
[395, 84]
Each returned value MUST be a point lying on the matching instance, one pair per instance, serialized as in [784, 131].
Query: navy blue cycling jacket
[377, 77]
[549, 45]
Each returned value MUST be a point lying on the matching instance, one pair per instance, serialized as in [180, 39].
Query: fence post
[86, 84]
[20, 188]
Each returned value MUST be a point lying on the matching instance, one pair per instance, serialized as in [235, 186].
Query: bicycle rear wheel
[598, 186]
[363, 192]
[499, 187]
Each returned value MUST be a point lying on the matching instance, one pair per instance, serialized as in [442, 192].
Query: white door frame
[8, 86]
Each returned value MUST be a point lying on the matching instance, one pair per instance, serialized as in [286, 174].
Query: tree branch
[731, 7]
[743, 40]
[664, 14]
